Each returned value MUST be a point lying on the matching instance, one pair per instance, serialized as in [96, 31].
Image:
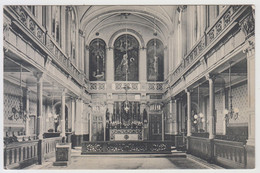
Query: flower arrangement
[137, 124]
[115, 124]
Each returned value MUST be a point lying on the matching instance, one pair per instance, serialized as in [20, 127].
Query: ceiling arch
[93, 18]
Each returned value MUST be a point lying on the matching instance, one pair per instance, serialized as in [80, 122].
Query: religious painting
[155, 56]
[97, 57]
[126, 53]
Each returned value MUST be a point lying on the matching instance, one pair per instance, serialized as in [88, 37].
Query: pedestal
[63, 154]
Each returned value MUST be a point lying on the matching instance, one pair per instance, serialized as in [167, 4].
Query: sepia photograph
[128, 86]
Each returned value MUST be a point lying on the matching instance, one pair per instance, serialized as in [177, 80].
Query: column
[250, 145]
[251, 92]
[72, 115]
[211, 113]
[142, 66]
[86, 62]
[63, 28]
[78, 123]
[188, 112]
[110, 65]
[180, 115]
[68, 33]
[39, 130]
[176, 122]
[63, 96]
[204, 108]
[81, 50]
[172, 116]
[27, 129]
[78, 117]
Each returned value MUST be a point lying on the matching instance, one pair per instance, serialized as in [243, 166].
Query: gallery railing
[100, 86]
[212, 34]
[39, 33]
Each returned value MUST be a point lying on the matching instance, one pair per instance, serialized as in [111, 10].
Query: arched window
[71, 31]
[55, 23]
[155, 56]
[126, 55]
[97, 64]
[73, 36]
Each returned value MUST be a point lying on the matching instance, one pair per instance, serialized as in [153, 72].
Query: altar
[126, 134]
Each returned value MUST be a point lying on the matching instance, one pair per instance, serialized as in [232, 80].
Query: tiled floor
[124, 162]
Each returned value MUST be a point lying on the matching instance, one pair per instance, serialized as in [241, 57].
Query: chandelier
[231, 113]
[21, 113]
[199, 117]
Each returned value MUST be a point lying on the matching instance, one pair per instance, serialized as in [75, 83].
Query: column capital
[210, 77]
[250, 50]
[38, 75]
[188, 90]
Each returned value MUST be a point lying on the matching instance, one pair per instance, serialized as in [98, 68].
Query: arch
[97, 59]
[128, 31]
[126, 58]
[155, 60]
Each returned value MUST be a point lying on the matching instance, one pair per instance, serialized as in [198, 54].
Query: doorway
[155, 127]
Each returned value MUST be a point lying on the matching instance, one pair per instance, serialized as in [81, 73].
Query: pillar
[172, 116]
[180, 115]
[204, 108]
[250, 145]
[110, 65]
[27, 124]
[142, 66]
[62, 27]
[72, 115]
[86, 62]
[188, 112]
[39, 129]
[211, 113]
[63, 97]
[78, 136]
[176, 122]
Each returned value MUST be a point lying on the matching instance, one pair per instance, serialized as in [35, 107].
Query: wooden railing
[20, 154]
[201, 147]
[49, 145]
[230, 154]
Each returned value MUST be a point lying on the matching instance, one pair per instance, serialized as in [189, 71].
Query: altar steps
[76, 152]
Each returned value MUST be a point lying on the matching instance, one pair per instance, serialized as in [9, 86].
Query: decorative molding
[248, 25]
[130, 31]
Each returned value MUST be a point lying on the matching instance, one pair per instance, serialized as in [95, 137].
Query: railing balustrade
[20, 154]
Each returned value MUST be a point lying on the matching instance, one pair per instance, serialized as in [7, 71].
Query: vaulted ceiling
[156, 18]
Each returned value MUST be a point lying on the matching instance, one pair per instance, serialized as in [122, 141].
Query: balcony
[22, 17]
[191, 63]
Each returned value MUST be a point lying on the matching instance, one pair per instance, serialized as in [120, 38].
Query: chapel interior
[130, 79]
